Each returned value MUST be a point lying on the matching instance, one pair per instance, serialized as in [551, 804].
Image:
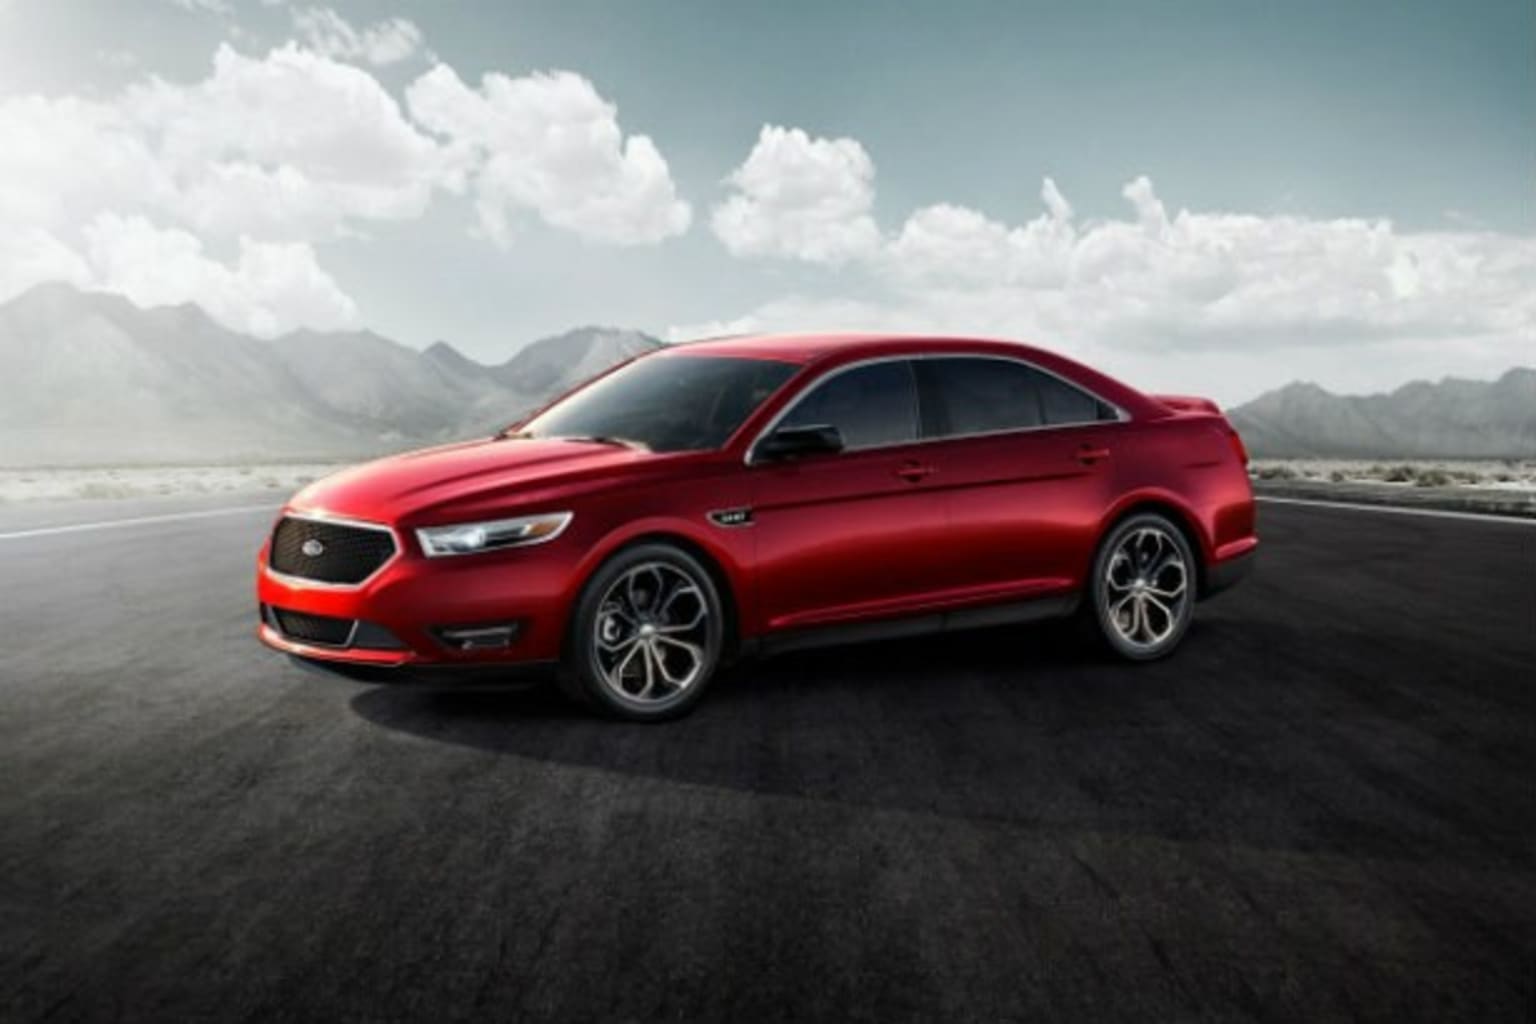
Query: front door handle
[1089, 454]
[913, 472]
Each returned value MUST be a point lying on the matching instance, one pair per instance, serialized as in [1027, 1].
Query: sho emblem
[732, 517]
[313, 548]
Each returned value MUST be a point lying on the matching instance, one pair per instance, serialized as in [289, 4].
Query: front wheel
[647, 634]
[1144, 587]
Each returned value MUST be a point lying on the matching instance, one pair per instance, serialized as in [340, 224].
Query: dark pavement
[1323, 807]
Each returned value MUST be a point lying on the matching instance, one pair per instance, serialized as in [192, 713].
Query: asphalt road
[1324, 807]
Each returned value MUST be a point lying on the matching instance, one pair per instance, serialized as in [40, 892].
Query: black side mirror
[794, 442]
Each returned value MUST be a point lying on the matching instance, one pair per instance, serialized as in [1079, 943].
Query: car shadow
[1023, 726]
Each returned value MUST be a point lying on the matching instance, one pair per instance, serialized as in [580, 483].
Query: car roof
[832, 349]
[808, 348]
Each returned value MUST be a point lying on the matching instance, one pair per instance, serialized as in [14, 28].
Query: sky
[1199, 197]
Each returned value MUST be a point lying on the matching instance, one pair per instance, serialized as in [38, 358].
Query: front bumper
[416, 599]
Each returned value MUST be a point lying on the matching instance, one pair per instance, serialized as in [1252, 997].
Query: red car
[713, 499]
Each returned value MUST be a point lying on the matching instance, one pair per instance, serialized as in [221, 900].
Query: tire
[647, 635]
[1143, 587]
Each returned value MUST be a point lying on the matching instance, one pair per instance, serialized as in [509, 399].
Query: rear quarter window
[1062, 404]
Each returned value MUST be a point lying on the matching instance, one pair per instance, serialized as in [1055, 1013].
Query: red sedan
[713, 499]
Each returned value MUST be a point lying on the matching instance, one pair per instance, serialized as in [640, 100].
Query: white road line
[46, 531]
[1398, 510]
[111, 524]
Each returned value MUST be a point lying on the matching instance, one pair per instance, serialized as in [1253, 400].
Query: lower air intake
[311, 629]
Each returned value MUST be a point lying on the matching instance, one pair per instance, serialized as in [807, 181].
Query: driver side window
[871, 406]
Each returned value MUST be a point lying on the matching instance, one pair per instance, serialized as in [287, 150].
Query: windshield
[668, 403]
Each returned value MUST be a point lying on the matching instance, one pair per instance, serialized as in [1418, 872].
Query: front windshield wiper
[620, 442]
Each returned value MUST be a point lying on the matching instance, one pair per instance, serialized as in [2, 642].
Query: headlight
[468, 538]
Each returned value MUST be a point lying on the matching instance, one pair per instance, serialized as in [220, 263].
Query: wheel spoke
[649, 658]
[619, 646]
[695, 660]
[679, 589]
[619, 669]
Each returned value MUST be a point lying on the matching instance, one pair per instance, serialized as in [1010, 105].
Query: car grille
[347, 553]
[311, 629]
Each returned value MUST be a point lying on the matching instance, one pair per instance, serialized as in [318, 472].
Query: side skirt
[1013, 613]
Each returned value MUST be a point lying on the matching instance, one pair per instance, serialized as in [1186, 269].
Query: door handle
[912, 472]
[1089, 454]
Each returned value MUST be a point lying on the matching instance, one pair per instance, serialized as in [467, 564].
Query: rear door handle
[1089, 454]
[912, 472]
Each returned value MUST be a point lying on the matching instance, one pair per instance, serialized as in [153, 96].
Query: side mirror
[794, 442]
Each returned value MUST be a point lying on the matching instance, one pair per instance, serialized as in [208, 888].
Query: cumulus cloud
[289, 146]
[549, 144]
[1167, 297]
[384, 42]
[31, 256]
[275, 154]
[801, 198]
[271, 288]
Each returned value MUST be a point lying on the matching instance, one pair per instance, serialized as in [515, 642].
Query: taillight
[1237, 446]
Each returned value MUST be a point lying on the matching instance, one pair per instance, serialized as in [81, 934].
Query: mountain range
[1452, 418]
[88, 378]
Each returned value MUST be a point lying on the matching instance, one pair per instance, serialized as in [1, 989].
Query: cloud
[297, 146]
[292, 146]
[549, 144]
[800, 198]
[384, 42]
[31, 256]
[203, 6]
[270, 289]
[1174, 299]
[275, 154]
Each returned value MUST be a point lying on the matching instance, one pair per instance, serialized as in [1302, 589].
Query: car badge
[313, 548]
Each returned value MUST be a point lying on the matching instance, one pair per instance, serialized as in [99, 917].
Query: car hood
[491, 471]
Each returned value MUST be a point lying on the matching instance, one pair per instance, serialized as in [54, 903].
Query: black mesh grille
[313, 629]
[347, 554]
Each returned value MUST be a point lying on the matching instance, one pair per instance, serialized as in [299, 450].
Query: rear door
[1026, 461]
[856, 534]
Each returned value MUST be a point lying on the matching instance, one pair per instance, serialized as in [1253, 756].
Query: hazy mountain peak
[88, 377]
[1450, 418]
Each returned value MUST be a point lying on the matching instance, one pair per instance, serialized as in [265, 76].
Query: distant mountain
[89, 378]
[1449, 419]
[553, 364]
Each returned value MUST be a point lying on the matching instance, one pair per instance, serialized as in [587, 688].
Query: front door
[853, 535]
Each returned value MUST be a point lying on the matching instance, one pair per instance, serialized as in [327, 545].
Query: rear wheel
[647, 634]
[1144, 587]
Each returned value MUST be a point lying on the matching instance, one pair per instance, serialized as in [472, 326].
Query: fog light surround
[484, 637]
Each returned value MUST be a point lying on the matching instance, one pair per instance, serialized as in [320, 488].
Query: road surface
[1323, 807]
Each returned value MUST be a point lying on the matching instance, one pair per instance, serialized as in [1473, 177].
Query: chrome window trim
[1121, 416]
[321, 516]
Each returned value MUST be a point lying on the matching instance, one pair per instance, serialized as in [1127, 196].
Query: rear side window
[1063, 404]
[870, 405]
[984, 396]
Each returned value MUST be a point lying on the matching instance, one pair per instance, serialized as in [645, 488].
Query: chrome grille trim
[322, 516]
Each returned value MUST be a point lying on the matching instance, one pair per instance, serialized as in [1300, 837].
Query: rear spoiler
[1187, 403]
